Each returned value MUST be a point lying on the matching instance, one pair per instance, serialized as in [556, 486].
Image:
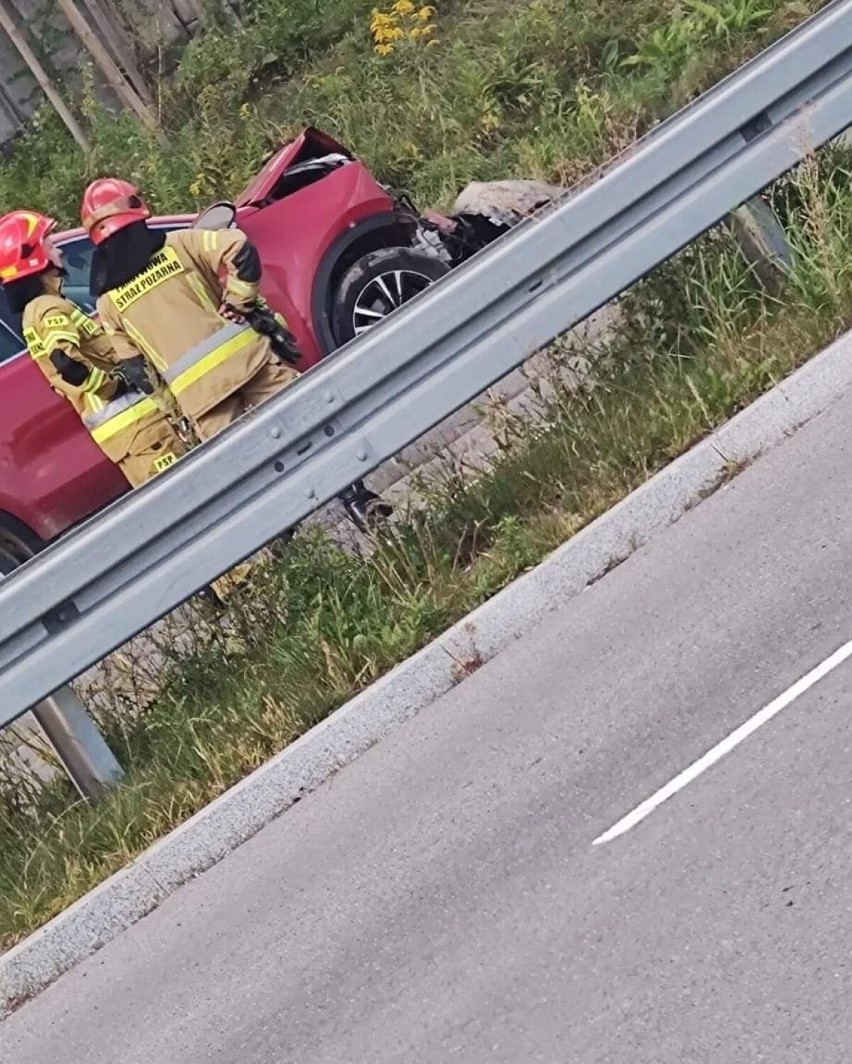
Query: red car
[340, 253]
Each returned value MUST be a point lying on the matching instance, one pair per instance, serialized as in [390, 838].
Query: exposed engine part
[432, 242]
[482, 212]
[462, 238]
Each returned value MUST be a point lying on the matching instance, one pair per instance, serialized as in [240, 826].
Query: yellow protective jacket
[53, 323]
[170, 312]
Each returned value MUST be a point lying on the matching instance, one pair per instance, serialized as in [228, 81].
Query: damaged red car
[340, 252]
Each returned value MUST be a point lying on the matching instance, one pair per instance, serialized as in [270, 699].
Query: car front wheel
[7, 562]
[17, 544]
[376, 285]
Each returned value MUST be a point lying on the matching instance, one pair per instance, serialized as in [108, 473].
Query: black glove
[133, 373]
[281, 340]
[69, 369]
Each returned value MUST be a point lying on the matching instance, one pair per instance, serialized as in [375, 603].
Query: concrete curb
[241, 812]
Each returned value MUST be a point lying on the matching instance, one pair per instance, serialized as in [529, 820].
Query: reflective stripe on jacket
[206, 356]
[53, 323]
[170, 312]
[118, 415]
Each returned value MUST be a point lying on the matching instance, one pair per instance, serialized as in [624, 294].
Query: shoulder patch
[57, 321]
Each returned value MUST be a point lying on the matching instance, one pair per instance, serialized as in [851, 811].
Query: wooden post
[10, 28]
[114, 35]
[125, 91]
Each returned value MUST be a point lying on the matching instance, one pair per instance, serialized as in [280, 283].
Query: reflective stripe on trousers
[118, 415]
[207, 355]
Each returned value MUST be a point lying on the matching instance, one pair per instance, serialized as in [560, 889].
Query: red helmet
[22, 250]
[110, 204]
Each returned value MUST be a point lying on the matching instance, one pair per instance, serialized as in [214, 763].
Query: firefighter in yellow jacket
[178, 297]
[78, 358]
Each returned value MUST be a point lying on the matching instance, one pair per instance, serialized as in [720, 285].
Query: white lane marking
[733, 740]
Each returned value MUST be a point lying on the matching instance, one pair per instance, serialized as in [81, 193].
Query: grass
[702, 339]
[546, 88]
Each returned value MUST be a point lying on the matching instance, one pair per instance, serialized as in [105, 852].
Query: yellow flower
[195, 187]
[403, 21]
[245, 112]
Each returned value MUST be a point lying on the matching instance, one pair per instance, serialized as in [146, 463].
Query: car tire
[8, 562]
[377, 284]
[17, 544]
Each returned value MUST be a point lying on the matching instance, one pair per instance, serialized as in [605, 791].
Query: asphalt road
[441, 899]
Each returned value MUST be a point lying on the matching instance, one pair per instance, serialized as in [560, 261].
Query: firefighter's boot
[365, 508]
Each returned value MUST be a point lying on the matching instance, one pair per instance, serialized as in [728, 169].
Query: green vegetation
[548, 89]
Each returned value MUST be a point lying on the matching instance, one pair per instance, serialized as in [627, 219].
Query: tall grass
[547, 89]
[700, 340]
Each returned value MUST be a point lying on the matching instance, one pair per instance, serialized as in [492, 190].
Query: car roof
[161, 219]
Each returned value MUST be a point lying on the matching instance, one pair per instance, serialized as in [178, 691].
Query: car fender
[356, 241]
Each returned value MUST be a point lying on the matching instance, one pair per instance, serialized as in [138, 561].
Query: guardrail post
[78, 744]
[763, 242]
[71, 732]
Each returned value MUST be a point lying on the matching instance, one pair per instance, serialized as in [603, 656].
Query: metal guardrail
[122, 570]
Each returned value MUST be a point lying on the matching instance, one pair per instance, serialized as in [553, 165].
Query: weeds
[548, 89]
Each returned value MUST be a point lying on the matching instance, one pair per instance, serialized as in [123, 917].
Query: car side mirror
[219, 216]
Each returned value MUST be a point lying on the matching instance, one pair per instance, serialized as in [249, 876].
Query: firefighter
[79, 361]
[179, 297]
[77, 357]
